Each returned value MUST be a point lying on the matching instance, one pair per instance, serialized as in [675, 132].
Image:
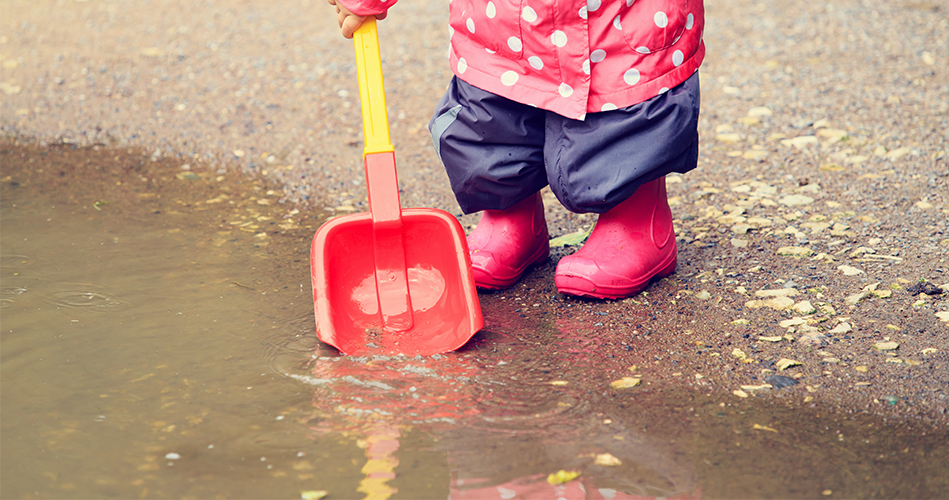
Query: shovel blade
[444, 301]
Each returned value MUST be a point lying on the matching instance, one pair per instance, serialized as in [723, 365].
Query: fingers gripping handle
[375, 120]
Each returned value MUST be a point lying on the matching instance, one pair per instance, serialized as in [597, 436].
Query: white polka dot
[642, 50]
[608, 107]
[529, 14]
[462, 65]
[661, 20]
[583, 12]
[470, 24]
[677, 58]
[509, 78]
[689, 21]
[597, 55]
[629, 3]
[663, 90]
[565, 90]
[489, 51]
[592, 5]
[616, 23]
[536, 62]
[491, 10]
[586, 67]
[631, 77]
[559, 38]
[515, 44]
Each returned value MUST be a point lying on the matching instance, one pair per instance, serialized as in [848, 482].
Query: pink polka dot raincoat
[571, 57]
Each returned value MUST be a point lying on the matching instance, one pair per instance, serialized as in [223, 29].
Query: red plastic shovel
[390, 281]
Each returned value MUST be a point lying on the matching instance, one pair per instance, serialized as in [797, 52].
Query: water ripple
[89, 296]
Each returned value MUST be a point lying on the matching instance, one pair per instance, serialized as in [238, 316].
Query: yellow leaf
[785, 363]
[764, 428]
[562, 476]
[313, 494]
[607, 460]
[625, 383]
[740, 393]
[738, 353]
[572, 238]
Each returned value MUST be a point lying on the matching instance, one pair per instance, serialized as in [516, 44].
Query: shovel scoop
[390, 281]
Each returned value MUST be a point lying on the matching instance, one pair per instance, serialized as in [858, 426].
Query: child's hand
[349, 22]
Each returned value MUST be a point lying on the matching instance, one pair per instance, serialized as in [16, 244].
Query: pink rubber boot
[630, 245]
[506, 242]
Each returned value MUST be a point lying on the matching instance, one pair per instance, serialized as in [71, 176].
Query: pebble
[780, 381]
[886, 346]
[172, 456]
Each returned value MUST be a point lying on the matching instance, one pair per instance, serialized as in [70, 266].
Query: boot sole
[580, 287]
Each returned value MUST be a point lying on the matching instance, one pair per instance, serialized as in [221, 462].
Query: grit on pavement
[813, 237]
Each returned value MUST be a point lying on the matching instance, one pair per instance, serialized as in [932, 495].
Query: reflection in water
[503, 423]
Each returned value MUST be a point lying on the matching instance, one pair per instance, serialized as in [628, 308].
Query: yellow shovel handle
[372, 94]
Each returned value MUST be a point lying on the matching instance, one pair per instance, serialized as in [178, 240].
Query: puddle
[159, 344]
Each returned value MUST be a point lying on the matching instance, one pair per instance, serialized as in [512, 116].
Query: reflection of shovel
[390, 281]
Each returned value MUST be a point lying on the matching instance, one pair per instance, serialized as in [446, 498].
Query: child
[598, 99]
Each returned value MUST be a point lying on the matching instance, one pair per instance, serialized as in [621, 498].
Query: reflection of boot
[505, 242]
[630, 245]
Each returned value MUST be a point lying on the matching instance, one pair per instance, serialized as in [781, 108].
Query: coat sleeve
[367, 7]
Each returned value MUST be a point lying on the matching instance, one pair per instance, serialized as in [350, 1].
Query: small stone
[703, 295]
[796, 200]
[796, 252]
[841, 329]
[861, 369]
[792, 322]
[856, 298]
[728, 138]
[886, 346]
[740, 393]
[849, 270]
[812, 339]
[777, 292]
[804, 307]
[943, 316]
[780, 381]
[801, 141]
[776, 338]
[172, 456]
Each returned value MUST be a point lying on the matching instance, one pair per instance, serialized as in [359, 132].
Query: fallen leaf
[929, 350]
[763, 428]
[861, 368]
[740, 393]
[607, 460]
[756, 387]
[796, 252]
[313, 494]
[776, 303]
[571, 239]
[776, 338]
[562, 476]
[738, 353]
[943, 315]
[785, 363]
[625, 382]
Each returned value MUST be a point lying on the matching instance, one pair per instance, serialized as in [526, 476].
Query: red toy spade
[390, 281]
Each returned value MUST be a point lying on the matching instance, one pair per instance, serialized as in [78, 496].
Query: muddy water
[156, 345]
